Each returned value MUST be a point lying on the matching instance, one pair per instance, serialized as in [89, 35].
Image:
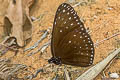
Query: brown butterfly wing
[70, 41]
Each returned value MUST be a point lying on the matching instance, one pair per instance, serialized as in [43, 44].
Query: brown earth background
[100, 16]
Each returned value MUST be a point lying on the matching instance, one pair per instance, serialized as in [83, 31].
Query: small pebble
[114, 75]
[109, 8]
[33, 18]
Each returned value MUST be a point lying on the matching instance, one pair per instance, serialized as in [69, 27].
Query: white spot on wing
[91, 58]
[86, 45]
[82, 29]
[69, 41]
[59, 17]
[71, 24]
[78, 23]
[90, 61]
[58, 9]
[89, 41]
[55, 22]
[81, 26]
[71, 9]
[69, 18]
[74, 35]
[75, 17]
[72, 12]
[68, 8]
[65, 22]
[68, 13]
[91, 55]
[64, 5]
[91, 48]
[63, 10]
[66, 27]
[85, 35]
[60, 30]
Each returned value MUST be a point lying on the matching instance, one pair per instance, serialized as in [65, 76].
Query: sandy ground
[102, 19]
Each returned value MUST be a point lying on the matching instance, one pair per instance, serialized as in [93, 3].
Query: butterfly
[70, 42]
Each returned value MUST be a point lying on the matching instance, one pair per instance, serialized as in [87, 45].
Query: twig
[98, 26]
[41, 49]
[34, 75]
[45, 47]
[30, 77]
[97, 43]
[40, 17]
[37, 43]
[56, 77]
[79, 3]
[66, 74]
[96, 69]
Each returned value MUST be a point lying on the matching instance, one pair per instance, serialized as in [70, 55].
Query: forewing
[62, 25]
